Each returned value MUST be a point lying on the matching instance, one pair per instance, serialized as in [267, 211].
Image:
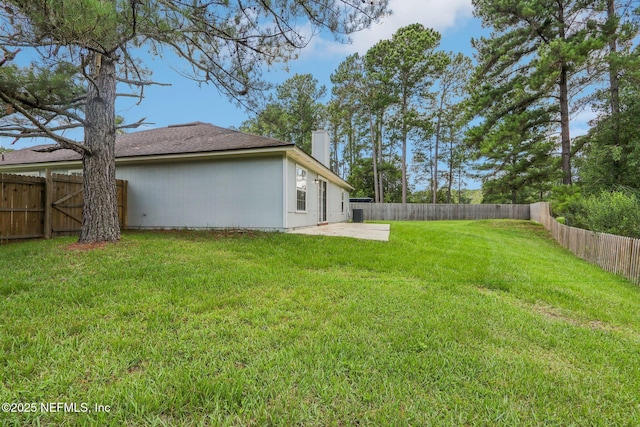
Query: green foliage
[356, 110]
[270, 121]
[538, 50]
[222, 43]
[564, 198]
[299, 96]
[426, 196]
[293, 114]
[611, 154]
[613, 212]
[361, 177]
[40, 87]
[407, 65]
[518, 158]
[90, 23]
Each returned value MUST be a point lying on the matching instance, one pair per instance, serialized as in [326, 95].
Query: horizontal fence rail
[35, 207]
[437, 212]
[616, 254]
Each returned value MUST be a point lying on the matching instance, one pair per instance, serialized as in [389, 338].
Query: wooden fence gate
[33, 207]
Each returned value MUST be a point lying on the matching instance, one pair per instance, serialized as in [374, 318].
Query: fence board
[34, 207]
[435, 212]
[615, 254]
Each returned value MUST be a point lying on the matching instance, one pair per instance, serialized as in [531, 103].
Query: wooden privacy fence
[435, 212]
[34, 207]
[616, 254]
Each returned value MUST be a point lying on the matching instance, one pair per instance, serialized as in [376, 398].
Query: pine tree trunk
[614, 81]
[380, 159]
[374, 156]
[100, 210]
[450, 175]
[434, 195]
[565, 135]
[563, 87]
[404, 150]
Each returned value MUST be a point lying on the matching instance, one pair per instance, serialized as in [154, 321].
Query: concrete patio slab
[343, 229]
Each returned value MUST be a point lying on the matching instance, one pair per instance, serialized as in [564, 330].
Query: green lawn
[448, 323]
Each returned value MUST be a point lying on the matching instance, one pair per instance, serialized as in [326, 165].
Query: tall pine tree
[534, 59]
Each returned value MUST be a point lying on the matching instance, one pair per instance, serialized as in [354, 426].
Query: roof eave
[150, 158]
[26, 167]
[312, 163]
[247, 152]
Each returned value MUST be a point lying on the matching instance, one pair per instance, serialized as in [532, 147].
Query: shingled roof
[196, 137]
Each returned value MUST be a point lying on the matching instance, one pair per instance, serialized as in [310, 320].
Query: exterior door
[322, 201]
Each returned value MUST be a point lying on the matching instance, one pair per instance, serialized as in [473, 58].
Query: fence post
[48, 202]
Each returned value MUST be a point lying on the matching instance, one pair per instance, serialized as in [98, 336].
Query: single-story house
[197, 175]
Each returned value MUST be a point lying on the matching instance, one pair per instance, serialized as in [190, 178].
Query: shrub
[564, 198]
[607, 212]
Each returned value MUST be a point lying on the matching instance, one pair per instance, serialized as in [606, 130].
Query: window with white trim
[301, 189]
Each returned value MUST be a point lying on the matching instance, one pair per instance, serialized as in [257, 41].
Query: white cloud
[440, 15]
[580, 122]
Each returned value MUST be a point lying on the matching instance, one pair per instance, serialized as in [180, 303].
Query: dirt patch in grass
[553, 313]
[203, 234]
[85, 247]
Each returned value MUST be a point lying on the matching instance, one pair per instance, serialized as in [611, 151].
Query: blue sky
[185, 101]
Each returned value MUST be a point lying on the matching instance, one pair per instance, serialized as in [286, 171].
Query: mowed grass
[448, 323]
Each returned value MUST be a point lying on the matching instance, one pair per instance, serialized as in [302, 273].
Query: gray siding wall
[337, 203]
[336, 210]
[231, 193]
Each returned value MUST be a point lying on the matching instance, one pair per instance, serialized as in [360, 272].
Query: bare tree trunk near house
[374, 157]
[100, 209]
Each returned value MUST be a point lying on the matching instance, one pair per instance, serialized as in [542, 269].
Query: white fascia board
[230, 154]
[158, 158]
[29, 167]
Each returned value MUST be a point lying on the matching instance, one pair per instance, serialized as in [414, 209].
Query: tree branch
[141, 82]
[61, 140]
[8, 56]
[67, 145]
[134, 125]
